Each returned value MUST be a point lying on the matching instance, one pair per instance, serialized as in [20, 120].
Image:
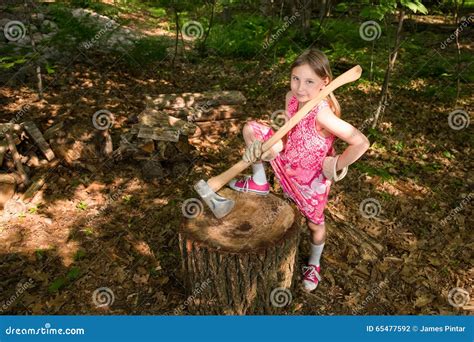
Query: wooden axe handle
[217, 182]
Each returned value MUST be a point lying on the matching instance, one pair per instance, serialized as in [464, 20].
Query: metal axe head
[219, 205]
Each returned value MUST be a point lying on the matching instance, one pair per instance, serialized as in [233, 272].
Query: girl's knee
[316, 227]
[248, 133]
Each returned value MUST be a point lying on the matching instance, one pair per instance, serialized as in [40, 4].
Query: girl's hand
[273, 152]
[329, 169]
[253, 152]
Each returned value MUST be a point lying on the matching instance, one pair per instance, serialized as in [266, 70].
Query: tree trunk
[391, 63]
[324, 7]
[244, 263]
[211, 20]
[304, 8]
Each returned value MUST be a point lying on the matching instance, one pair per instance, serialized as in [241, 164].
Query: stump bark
[243, 263]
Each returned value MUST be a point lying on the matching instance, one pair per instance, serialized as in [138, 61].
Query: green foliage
[398, 146]
[72, 31]
[385, 7]
[96, 6]
[73, 273]
[9, 62]
[62, 282]
[415, 6]
[448, 155]
[80, 254]
[56, 285]
[244, 37]
[373, 171]
[379, 11]
[40, 253]
[49, 69]
[147, 50]
[81, 205]
[33, 210]
[88, 231]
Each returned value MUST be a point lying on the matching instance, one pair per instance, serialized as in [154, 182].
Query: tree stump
[243, 263]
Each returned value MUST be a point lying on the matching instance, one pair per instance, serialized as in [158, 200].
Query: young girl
[305, 162]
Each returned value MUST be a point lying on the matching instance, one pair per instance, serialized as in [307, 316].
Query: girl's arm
[287, 99]
[358, 142]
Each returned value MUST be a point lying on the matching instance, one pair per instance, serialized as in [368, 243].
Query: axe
[221, 206]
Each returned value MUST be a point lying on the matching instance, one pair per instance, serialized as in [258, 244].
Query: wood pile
[23, 148]
[162, 136]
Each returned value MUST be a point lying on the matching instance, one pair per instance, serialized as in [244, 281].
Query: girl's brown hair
[318, 61]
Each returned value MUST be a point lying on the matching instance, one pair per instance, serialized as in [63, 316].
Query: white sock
[259, 173]
[316, 251]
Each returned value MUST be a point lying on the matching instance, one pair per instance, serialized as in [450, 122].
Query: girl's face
[305, 84]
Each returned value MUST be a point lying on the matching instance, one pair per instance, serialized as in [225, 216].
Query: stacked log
[215, 113]
[162, 137]
[21, 147]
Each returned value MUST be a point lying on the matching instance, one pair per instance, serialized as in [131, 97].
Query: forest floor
[74, 239]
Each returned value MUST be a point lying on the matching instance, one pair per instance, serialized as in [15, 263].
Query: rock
[25, 41]
[48, 26]
[3, 22]
[78, 12]
[7, 189]
[49, 36]
[152, 170]
[180, 169]
[37, 37]
[12, 208]
[38, 16]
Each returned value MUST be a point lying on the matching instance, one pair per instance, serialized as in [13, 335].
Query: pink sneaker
[311, 277]
[248, 185]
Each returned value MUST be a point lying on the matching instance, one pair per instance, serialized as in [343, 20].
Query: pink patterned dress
[299, 166]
